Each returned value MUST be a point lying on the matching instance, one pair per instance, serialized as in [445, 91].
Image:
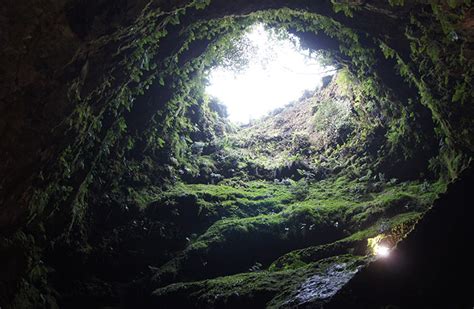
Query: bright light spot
[378, 246]
[382, 251]
[278, 73]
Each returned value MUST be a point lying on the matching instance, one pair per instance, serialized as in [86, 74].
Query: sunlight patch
[276, 71]
[379, 246]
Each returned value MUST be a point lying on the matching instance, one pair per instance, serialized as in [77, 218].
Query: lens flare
[382, 251]
[379, 246]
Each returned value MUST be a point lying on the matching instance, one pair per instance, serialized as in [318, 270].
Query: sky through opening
[278, 72]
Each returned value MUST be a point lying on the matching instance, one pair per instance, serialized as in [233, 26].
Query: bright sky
[261, 88]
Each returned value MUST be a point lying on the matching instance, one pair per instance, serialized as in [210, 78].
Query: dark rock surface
[319, 289]
[431, 268]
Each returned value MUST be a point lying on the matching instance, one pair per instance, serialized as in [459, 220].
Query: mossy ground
[272, 289]
[281, 206]
[256, 216]
[266, 238]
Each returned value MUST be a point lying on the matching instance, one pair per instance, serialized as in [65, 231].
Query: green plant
[300, 190]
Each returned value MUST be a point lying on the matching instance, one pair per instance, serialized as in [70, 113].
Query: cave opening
[266, 69]
[125, 184]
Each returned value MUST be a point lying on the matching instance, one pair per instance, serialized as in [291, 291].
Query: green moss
[302, 257]
[337, 217]
[398, 226]
[225, 201]
[220, 249]
[268, 289]
[144, 197]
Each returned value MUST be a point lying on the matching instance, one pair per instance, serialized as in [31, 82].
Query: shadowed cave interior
[124, 184]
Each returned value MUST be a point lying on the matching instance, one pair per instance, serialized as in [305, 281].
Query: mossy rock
[278, 289]
[397, 226]
[234, 245]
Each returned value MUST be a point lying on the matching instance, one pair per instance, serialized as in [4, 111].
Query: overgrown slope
[119, 177]
[266, 206]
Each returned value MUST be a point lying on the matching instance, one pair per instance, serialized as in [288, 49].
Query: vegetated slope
[247, 216]
[258, 216]
[339, 128]
[301, 130]
[95, 130]
[289, 225]
[320, 224]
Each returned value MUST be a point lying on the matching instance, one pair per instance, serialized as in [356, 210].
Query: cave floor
[278, 244]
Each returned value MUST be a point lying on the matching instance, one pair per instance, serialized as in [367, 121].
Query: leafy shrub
[300, 190]
[332, 120]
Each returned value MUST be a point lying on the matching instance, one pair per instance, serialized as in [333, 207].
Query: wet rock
[318, 289]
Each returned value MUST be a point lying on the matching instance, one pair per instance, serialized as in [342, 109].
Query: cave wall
[83, 59]
[74, 74]
[428, 269]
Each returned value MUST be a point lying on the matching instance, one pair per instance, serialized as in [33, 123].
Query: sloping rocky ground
[107, 198]
[268, 219]
[284, 239]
